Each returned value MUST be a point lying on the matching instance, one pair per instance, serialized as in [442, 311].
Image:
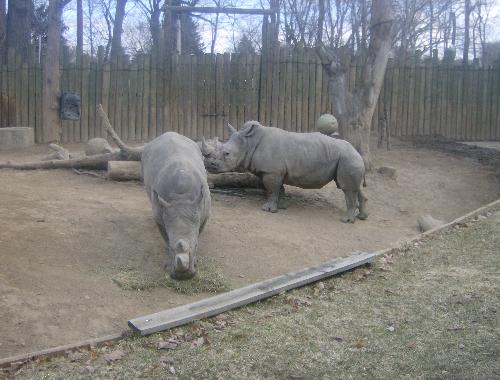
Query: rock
[427, 222]
[496, 217]
[16, 137]
[387, 171]
[97, 145]
[327, 124]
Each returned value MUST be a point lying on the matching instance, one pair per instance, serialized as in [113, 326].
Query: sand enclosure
[64, 237]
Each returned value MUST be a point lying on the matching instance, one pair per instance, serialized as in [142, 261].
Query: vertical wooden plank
[255, 86]
[73, 126]
[139, 123]
[24, 95]
[152, 96]
[419, 99]
[489, 104]
[495, 110]
[477, 104]
[466, 103]
[19, 92]
[84, 124]
[459, 79]
[304, 91]
[449, 101]
[4, 116]
[193, 65]
[481, 121]
[11, 86]
[281, 89]
[295, 91]
[318, 89]
[394, 114]
[275, 68]
[133, 100]
[441, 99]
[146, 102]
[288, 90]
[219, 94]
[410, 131]
[311, 114]
[231, 118]
[105, 86]
[38, 103]
[65, 86]
[92, 98]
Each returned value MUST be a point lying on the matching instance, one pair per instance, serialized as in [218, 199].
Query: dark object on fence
[70, 106]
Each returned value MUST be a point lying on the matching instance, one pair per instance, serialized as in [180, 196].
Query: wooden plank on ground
[214, 305]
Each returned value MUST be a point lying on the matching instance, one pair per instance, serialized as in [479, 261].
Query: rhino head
[181, 214]
[219, 158]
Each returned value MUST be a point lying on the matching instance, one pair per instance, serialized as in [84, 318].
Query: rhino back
[172, 163]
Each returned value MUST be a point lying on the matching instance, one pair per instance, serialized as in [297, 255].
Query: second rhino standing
[306, 160]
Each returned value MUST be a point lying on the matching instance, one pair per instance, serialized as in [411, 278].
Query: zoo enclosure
[198, 95]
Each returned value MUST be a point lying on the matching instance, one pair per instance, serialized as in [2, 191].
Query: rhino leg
[362, 206]
[351, 202]
[282, 202]
[273, 184]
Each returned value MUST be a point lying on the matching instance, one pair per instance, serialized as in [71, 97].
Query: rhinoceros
[306, 160]
[176, 183]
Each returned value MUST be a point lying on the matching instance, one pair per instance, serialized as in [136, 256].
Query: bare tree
[3, 29]
[79, 29]
[116, 42]
[354, 110]
[19, 26]
[51, 130]
[152, 10]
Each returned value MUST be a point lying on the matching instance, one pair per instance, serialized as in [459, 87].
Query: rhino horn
[231, 129]
[181, 262]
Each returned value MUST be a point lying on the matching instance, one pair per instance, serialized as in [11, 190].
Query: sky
[230, 28]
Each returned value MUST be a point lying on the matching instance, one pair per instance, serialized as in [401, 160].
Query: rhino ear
[231, 129]
[160, 200]
[205, 148]
[250, 130]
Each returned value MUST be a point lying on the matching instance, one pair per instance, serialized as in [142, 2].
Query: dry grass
[209, 279]
[429, 313]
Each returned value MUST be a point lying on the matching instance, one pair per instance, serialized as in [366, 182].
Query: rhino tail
[364, 180]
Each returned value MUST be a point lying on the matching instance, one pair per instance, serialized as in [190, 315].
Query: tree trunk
[354, 110]
[3, 31]
[79, 30]
[321, 22]
[467, 10]
[51, 130]
[116, 43]
[19, 27]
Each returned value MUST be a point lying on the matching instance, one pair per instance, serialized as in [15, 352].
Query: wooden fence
[197, 95]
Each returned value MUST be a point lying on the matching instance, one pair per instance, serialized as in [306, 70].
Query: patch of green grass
[430, 312]
[209, 279]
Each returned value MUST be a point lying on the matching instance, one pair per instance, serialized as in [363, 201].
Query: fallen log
[131, 171]
[98, 162]
[124, 170]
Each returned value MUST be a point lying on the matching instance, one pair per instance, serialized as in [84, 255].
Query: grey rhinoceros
[176, 183]
[306, 160]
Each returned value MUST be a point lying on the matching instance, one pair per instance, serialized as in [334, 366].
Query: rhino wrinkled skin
[176, 183]
[306, 160]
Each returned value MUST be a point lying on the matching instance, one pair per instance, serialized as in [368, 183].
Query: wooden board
[214, 305]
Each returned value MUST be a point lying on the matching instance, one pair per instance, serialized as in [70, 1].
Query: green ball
[327, 124]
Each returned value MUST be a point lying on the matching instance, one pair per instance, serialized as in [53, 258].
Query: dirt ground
[63, 237]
